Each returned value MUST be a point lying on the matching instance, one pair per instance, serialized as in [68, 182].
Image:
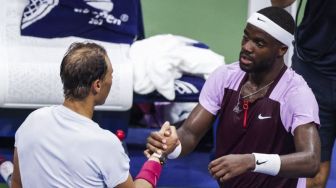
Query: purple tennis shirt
[271, 120]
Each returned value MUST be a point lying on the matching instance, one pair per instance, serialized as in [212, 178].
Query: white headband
[271, 28]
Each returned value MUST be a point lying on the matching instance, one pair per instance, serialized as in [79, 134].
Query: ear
[282, 50]
[96, 86]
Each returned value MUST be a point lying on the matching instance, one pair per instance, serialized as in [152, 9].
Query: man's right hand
[163, 141]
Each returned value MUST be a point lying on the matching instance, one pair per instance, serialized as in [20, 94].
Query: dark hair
[82, 64]
[279, 16]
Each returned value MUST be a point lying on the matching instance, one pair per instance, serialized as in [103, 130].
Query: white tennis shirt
[58, 147]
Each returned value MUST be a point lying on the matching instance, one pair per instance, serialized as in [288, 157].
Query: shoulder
[32, 122]
[41, 111]
[37, 116]
[228, 69]
[226, 75]
[297, 101]
[99, 136]
[291, 85]
[297, 86]
[103, 144]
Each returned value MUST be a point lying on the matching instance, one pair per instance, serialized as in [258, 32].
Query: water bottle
[121, 135]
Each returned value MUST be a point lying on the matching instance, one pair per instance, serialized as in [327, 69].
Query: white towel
[29, 66]
[161, 59]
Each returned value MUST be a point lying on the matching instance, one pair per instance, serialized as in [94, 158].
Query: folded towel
[161, 59]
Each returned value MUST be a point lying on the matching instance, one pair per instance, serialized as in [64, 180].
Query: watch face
[163, 159]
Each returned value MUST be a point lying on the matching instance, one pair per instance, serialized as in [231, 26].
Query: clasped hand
[163, 141]
[221, 169]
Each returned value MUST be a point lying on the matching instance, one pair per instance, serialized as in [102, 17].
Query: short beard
[263, 66]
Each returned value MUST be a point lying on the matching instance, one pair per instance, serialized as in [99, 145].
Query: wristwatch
[162, 158]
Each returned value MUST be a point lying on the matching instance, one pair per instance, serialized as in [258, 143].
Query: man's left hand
[229, 166]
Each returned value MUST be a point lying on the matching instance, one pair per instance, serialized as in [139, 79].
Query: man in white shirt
[60, 146]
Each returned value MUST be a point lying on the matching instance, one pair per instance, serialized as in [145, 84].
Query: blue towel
[118, 21]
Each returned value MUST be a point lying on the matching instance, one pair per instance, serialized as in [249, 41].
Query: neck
[83, 107]
[260, 79]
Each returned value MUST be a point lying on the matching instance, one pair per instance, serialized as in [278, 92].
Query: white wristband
[267, 163]
[175, 153]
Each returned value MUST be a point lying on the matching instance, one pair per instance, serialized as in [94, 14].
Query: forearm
[149, 173]
[147, 177]
[188, 141]
[194, 128]
[141, 183]
[16, 177]
[282, 3]
[15, 185]
[301, 164]
[306, 160]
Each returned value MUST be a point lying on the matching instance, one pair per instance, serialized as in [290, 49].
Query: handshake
[164, 142]
[167, 142]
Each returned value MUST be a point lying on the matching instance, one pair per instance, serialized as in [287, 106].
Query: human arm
[194, 128]
[303, 163]
[139, 182]
[16, 178]
[189, 134]
[282, 3]
[200, 119]
[306, 160]
[150, 172]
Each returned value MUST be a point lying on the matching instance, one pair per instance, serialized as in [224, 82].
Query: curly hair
[82, 64]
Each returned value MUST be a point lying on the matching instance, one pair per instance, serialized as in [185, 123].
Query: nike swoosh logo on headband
[261, 19]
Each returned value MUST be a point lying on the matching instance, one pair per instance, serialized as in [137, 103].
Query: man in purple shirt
[268, 116]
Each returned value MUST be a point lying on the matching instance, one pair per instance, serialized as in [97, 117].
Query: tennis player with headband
[267, 115]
